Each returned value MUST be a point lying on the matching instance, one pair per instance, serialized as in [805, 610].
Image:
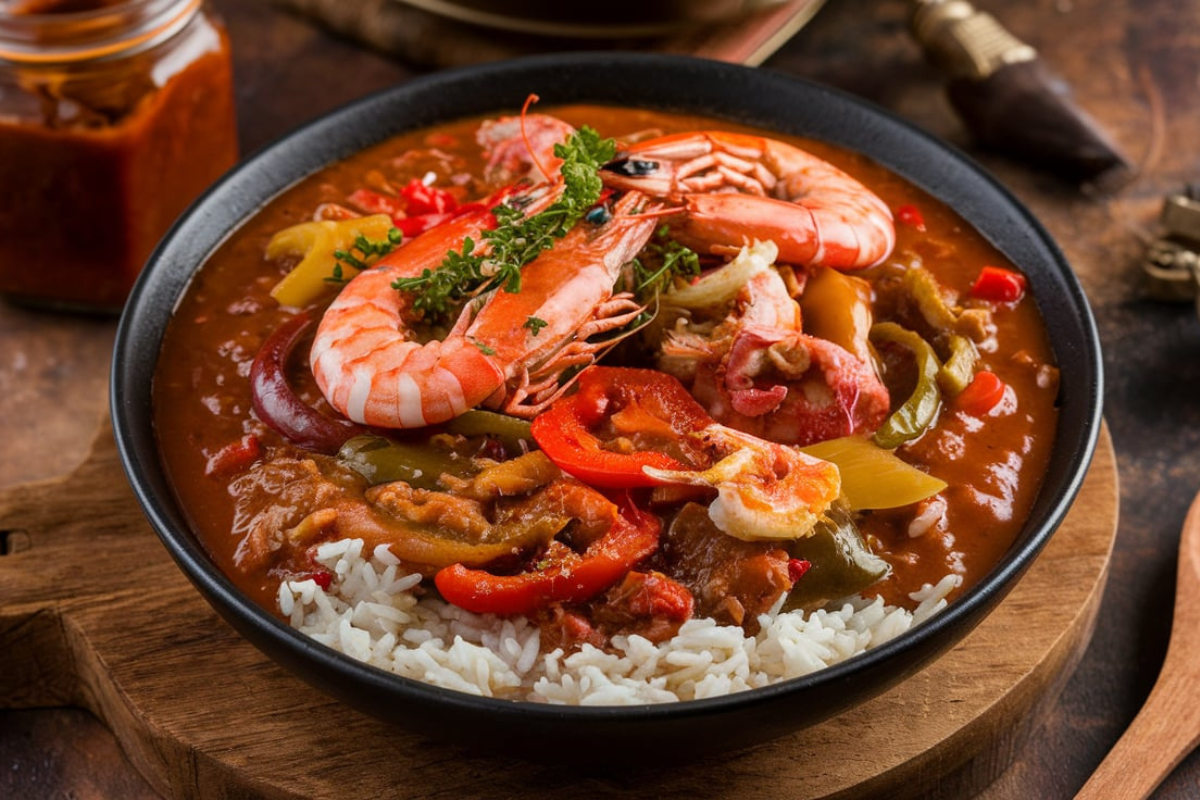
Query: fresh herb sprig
[534, 325]
[661, 262]
[362, 254]
[516, 240]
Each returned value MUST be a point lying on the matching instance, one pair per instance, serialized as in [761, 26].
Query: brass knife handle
[965, 42]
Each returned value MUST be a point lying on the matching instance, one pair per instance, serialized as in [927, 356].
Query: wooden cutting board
[94, 614]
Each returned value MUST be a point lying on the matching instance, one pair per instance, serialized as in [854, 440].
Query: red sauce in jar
[114, 116]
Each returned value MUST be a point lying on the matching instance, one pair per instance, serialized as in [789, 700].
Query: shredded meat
[732, 581]
[427, 507]
[521, 475]
[569, 629]
[648, 604]
[286, 506]
[277, 496]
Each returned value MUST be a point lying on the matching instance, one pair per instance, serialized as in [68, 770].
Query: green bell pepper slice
[921, 408]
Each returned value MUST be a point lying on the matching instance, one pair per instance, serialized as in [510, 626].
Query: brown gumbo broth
[214, 446]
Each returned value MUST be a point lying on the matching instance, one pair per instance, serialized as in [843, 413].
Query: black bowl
[756, 97]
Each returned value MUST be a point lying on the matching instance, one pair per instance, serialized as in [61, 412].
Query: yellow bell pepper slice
[873, 477]
[316, 243]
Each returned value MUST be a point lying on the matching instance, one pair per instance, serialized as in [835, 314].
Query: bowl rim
[384, 113]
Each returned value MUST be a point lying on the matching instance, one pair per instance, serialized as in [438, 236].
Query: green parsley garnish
[535, 325]
[662, 261]
[483, 348]
[516, 240]
[361, 254]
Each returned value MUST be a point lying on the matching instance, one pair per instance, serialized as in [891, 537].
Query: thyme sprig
[362, 254]
[516, 240]
[661, 262]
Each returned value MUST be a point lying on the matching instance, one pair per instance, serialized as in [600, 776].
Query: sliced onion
[722, 285]
[279, 407]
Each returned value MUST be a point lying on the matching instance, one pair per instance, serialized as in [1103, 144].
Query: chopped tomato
[561, 575]
[999, 285]
[652, 595]
[321, 577]
[583, 432]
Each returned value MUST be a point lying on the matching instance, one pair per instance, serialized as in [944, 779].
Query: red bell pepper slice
[999, 285]
[235, 456]
[423, 199]
[562, 575]
[981, 395]
[415, 225]
[629, 401]
[911, 216]
[417, 209]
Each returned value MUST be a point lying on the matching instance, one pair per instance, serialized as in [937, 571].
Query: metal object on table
[1007, 97]
[1172, 265]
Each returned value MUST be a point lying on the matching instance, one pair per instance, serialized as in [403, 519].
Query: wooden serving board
[94, 614]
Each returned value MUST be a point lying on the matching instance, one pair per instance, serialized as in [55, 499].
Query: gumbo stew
[589, 391]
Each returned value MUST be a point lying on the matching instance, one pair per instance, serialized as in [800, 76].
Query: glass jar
[114, 116]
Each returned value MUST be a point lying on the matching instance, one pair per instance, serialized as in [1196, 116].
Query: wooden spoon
[1168, 726]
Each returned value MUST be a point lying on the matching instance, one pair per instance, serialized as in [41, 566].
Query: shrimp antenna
[665, 211]
[530, 100]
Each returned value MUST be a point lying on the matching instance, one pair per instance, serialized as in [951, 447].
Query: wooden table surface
[1133, 65]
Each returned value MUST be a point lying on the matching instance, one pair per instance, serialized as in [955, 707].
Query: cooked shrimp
[522, 147]
[757, 371]
[569, 290]
[765, 490]
[735, 188]
[365, 356]
[371, 367]
[791, 387]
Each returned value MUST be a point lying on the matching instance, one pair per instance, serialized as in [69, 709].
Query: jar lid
[47, 37]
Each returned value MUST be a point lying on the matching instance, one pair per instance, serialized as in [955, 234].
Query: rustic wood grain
[48, 372]
[94, 614]
[78, 767]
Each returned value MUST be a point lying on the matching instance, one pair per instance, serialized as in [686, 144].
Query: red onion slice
[279, 407]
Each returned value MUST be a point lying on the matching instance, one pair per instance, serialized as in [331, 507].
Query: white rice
[372, 613]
